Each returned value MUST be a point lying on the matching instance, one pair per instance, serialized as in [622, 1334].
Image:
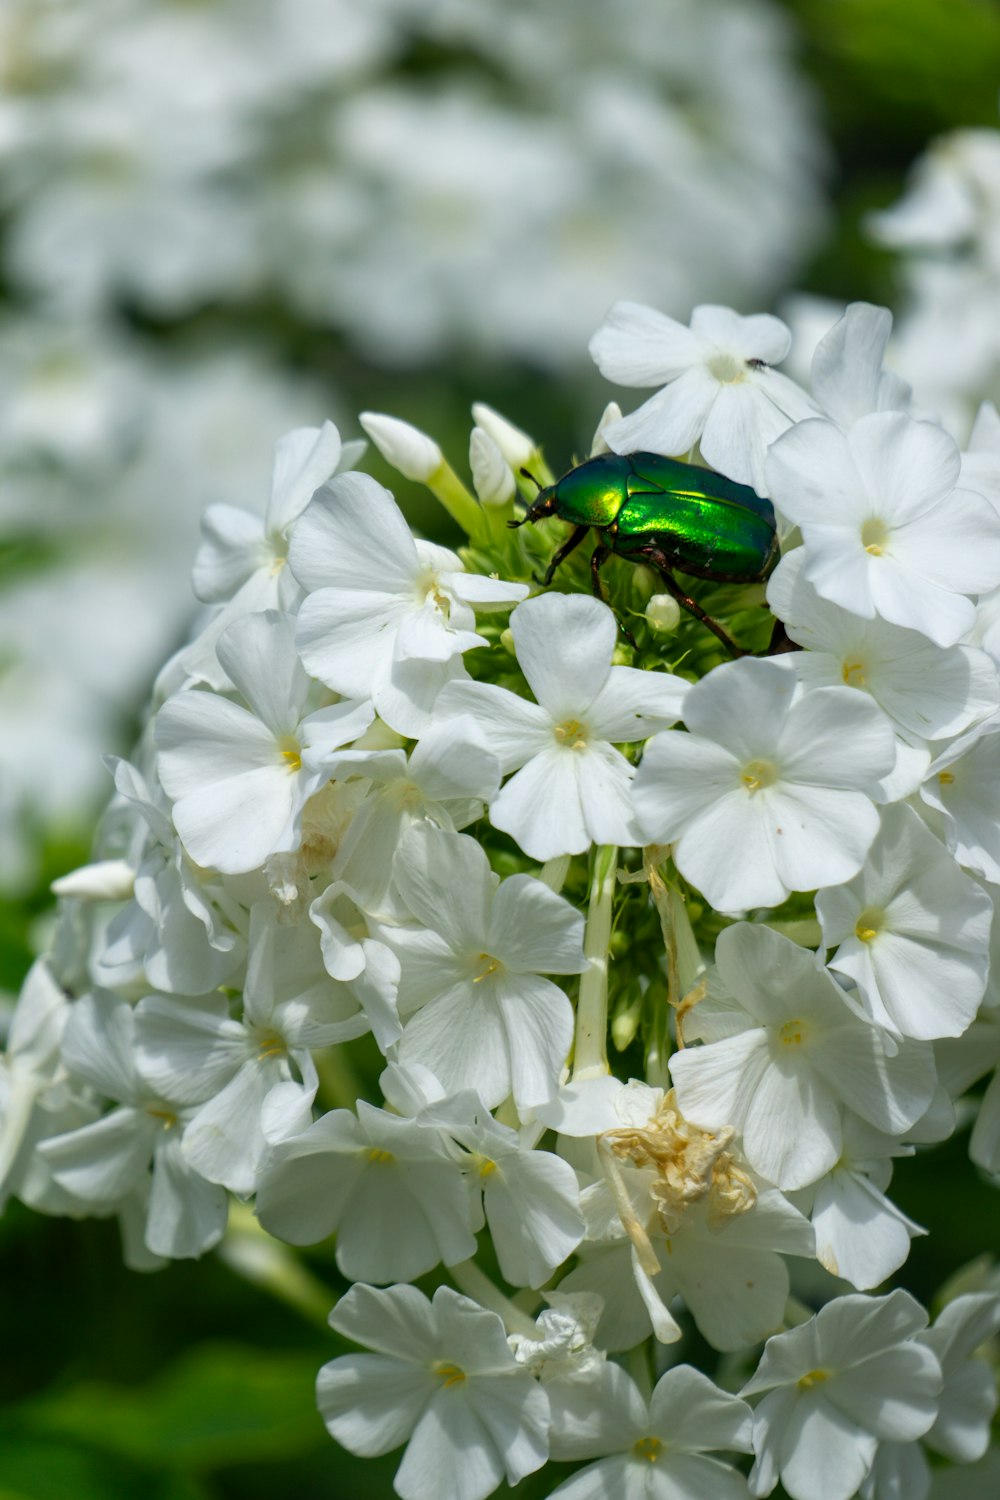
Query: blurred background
[220, 219]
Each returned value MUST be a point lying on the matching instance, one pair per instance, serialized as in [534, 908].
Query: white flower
[656, 1449]
[722, 1253]
[885, 530]
[108, 1161]
[28, 1067]
[719, 386]
[253, 1080]
[241, 563]
[391, 1189]
[240, 777]
[471, 1416]
[447, 777]
[848, 378]
[485, 1018]
[960, 787]
[530, 1198]
[572, 786]
[860, 1235]
[182, 931]
[853, 1376]
[913, 932]
[786, 1053]
[770, 791]
[387, 617]
[961, 1430]
[929, 691]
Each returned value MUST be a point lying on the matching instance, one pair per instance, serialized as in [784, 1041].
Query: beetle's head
[544, 503]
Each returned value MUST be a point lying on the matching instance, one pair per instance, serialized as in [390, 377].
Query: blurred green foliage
[194, 1385]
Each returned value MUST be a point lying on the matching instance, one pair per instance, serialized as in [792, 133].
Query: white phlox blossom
[650, 1450]
[241, 563]
[860, 1235]
[240, 777]
[912, 931]
[677, 1212]
[478, 1012]
[770, 790]
[469, 1414]
[929, 692]
[254, 1079]
[28, 1071]
[719, 388]
[108, 1161]
[960, 788]
[386, 617]
[571, 786]
[784, 1052]
[182, 931]
[855, 1375]
[885, 529]
[587, 976]
[391, 1188]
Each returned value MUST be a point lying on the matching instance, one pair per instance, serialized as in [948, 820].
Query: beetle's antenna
[528, 475]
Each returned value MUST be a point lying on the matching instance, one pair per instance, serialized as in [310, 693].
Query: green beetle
[667, 514]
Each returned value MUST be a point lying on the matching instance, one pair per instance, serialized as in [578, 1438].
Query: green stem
[459, 502]
[250, 1251]
[590, 1052]
[476, 1284]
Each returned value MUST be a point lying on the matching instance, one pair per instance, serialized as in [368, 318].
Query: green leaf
[40, 1468]
[217, 1405]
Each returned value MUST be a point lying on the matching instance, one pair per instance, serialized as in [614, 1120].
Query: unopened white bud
[107, 880]
[491, 473]
[409, 450]
[663, 614]
[611, 413]
[516, 446]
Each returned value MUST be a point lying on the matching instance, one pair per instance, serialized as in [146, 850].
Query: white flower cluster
[371, 812]
[375, 167]
[317, 169]
[947, 229]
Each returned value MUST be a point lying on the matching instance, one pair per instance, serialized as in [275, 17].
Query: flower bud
[516, 446]
[663, 614]
[611, 413]
[107, 880]
[412, 452]
[491, 473]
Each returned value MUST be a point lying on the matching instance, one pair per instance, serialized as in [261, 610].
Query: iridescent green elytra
[666, 514]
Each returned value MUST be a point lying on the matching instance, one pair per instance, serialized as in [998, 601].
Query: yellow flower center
[758, 774]
[869, 924]
[291, 753]
[792, 1034]
[572, 734]
[727, 369]
[271, 1045]
[853, 674]
[874, 536]
[166, 1115]
[488, 965]
[448, 1374]
[946, 778]
[647, 1448]
[382, 1158]
[815, 1377]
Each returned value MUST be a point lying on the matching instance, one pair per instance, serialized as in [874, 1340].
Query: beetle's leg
[599, 556]
[694, 608]
[567, 547]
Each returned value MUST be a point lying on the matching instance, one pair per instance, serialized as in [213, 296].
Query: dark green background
[193, 1385]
